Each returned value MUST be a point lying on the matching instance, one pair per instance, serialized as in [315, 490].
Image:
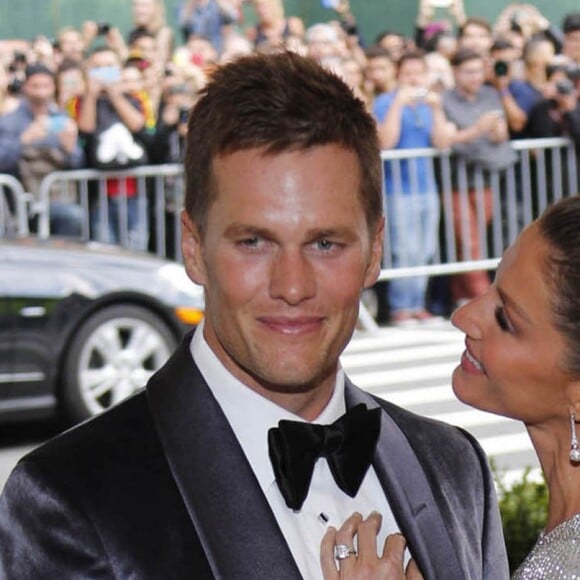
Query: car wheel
[112, 355]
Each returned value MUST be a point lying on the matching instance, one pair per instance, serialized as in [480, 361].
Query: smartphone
[108, 75]
[332, 4]
[183, 114]
[421, 93]
[57, 123]
[440, 3]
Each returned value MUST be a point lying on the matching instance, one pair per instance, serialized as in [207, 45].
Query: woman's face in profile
[512, 362]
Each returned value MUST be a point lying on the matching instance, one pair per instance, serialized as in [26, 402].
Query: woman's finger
[327, 561]
[345, 537]
[394, 550]
[367, 536]
[412, 572]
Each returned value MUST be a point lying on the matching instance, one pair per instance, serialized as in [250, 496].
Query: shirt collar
[250, 414]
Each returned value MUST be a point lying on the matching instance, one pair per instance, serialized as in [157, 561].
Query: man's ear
[192, 249]
[374, 266]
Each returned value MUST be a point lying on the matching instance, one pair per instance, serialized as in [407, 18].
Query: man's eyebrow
[513, 305]
[240, 229]
[237, 229]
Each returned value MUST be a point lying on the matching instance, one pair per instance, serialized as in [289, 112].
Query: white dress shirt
[251, 416]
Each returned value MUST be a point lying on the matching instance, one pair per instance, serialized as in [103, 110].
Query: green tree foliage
[524, 511]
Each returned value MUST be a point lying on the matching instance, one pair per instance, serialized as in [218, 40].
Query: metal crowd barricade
[545, 171]
[158, 191]
[13, 207]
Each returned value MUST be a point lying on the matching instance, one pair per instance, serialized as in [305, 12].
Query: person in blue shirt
[207, 18]
[520, 96]
[37, 138]
[409, 118]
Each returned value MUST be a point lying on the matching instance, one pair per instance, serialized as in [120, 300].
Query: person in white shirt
[238, 458]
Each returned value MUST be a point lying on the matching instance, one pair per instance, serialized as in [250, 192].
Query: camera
[573, 72]
[103, 28]
[565, 87]
[183, 115]
[501, 68]
[19, 57]
[15, 86]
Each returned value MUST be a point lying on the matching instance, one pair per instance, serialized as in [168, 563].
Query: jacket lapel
[231, 516]
[410, 496]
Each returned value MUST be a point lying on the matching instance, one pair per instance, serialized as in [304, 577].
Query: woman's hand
[366, 564]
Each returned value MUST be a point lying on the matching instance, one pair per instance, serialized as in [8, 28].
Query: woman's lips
[470, 364]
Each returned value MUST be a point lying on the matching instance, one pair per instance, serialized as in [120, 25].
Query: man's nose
[292, 277]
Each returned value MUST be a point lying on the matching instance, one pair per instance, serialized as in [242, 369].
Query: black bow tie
[348, 445]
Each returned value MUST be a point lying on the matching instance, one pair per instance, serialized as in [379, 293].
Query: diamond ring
[342, 551]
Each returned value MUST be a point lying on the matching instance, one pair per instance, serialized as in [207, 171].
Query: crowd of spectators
[99, 99]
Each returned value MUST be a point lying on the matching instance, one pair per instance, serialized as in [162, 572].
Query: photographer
[9, 90]
[481, 147]
[500, 75]
[38, 138]
[168, 143]
[558, 115]
[523, 95]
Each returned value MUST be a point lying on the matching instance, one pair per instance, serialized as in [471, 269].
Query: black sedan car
[84, 326]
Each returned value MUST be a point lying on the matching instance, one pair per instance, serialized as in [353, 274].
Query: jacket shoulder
[444, 450]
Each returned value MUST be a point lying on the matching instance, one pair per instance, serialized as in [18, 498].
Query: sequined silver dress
[555, 556]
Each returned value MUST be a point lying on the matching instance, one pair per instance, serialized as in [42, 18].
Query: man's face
[380, 71]
[103, 58]
[412, 73]
[470, 76]
[146, 46]
[39, 89]
[285, 254]
[572, 45]
[476, 38]
[395, 44]
[71, 45]
[322, 44]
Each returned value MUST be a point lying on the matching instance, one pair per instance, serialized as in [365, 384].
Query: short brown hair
[475, 21]
[464, 55]
[277, 102]
[410, 55]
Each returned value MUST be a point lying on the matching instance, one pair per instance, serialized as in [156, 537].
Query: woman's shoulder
[555, 554]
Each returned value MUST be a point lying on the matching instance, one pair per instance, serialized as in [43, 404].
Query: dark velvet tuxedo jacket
[158, 488]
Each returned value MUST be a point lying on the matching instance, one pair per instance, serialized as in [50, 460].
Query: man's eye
[325, 245]
[250, 242]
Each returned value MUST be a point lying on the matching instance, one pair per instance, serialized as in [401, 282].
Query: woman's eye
[501, 319]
